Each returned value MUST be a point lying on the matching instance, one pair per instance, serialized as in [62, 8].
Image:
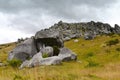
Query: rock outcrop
[87, 30]
[50, 42]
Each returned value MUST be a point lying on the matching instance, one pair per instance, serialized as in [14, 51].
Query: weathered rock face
[76, 30]
[24, 50]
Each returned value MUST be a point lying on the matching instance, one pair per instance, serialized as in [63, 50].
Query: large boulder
[48, 38]
[24, 50]
[47, 51]
[67, 55]
[38, 60]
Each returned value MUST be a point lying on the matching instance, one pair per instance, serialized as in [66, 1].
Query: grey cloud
[29, 13]
[18, 5]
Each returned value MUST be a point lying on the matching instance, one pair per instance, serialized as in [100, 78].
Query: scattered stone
[79, 61]
[76, 40]
[66, 39]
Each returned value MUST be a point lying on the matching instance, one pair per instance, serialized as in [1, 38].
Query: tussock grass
[102, 61]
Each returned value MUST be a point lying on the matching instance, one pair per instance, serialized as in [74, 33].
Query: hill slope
[97, 60]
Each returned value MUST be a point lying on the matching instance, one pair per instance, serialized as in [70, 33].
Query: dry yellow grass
[96, 61]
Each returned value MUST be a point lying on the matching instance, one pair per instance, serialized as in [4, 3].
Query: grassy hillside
[98, 59]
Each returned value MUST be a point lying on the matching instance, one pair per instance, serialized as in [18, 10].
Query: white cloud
[9, 34]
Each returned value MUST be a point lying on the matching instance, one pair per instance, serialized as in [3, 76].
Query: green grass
[45, 55]
[96, 61]
[15, 63]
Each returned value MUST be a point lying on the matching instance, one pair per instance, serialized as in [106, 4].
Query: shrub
[112, 42]
[119, 34]
[17, 77]
[56, 51]
[44, 55]
[15, 63]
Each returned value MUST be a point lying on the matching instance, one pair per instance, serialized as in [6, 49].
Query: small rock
[1, 64]
[66, 39]
[76, 40]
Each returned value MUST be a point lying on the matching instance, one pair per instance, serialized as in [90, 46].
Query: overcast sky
[22, 18]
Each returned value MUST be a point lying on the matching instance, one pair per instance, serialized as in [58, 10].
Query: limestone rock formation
[38, 60]
[87, 30]
[46, 42]
[24, 50]
[51, 42]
